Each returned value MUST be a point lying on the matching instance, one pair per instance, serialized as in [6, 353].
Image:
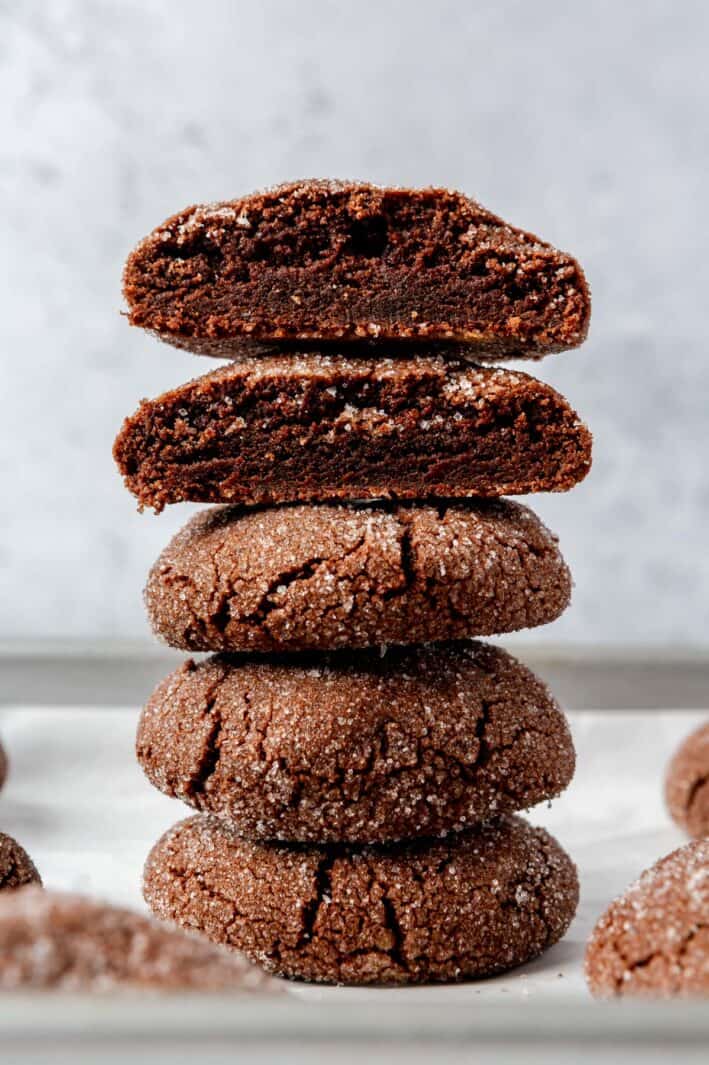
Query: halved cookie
[329, 261]
[281, 429]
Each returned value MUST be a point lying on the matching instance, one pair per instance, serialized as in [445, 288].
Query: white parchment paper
[78, 802]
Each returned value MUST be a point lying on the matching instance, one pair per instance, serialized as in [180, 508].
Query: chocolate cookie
[330, 576]
[469, 906]
[3, 765]
[340, 261]
[55, 941]
[654, 940]
[687, 783]
[284, 429]
[357, 747]
[16, 866]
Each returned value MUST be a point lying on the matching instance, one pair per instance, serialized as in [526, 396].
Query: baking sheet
[78, 802]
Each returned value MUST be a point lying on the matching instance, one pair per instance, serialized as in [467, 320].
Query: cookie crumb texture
[357, 747]
[340, 261]
[16, 866]
[654, 940]
[687, 784]
[469, 906]
[326, 577]
[300, 429]
[56, 941]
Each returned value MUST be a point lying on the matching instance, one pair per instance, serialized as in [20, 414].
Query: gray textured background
[584, 122]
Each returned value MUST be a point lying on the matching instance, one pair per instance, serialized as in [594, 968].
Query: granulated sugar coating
[54, 941]
[281, 429]
[687, 784]
[319, 261]
[331, 576]
[357, 746]
[654, 940]
[469, 906]
[16, 866]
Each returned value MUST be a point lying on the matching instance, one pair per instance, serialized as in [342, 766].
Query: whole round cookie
[16, 866]
[654, 940]
[357, 747]
[56, 941]
[330, 576]
[445, 910]
[687, 783]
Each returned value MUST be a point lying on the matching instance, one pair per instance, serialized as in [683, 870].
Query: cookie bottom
[429, 911]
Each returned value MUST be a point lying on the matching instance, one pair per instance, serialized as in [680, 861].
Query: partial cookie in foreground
[654, 940]
[687, 783]
[339, 261]
[16, 866]
[313, 428]
[55, 941]
[330, 576]
[355, 746]
[469, 906]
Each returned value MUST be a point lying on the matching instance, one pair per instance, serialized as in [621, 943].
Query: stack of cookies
[357, 758]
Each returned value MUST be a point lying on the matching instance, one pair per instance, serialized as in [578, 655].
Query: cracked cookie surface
[331, 576]
[52, 940]
[654, 940]
[445, 910]
[16, 866]
[311, 428]
[355, 746]
[318, 261]
[687, 783]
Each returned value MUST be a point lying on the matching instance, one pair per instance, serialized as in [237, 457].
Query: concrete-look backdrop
[586, 123]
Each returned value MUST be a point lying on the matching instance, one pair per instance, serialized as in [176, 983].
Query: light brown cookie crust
[357, 747]
[653, 941]
[469, 906]
[56, 941]
[687, 783]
